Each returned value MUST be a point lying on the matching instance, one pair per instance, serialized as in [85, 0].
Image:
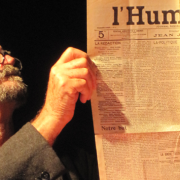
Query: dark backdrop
[37, 32]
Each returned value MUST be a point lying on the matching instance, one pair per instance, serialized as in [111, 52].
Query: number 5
[101, 35]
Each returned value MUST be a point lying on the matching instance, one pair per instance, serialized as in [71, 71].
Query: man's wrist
[48, 126]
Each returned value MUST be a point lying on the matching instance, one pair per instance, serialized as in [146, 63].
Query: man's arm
[71, 75]
[27, 155]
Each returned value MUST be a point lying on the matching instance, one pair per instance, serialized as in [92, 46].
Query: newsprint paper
[135, 45]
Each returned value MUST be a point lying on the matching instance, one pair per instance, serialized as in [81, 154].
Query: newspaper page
[142, 156]
[136, 47]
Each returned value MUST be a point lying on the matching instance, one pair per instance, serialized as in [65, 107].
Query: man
[28, 154]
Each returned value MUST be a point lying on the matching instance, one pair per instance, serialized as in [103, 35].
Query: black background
[37, 32]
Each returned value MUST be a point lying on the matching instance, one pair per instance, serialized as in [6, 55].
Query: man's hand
[72, 75]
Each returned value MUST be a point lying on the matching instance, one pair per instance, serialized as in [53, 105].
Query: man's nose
[6, 60]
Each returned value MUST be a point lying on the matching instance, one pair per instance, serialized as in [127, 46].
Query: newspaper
[135, 45]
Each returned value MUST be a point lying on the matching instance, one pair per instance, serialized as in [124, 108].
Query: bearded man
[28, 154]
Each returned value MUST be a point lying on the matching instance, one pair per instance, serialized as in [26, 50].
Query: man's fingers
[81, 73]
[75, 64]
[81, 86]
[75, 58]
[72, 53]
[83, 63]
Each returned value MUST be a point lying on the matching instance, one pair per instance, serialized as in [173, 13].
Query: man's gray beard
[12, 87]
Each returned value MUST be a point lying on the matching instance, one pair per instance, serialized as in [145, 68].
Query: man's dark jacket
[28, 156]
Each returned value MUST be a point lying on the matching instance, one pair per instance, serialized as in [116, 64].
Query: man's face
[12, 87]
